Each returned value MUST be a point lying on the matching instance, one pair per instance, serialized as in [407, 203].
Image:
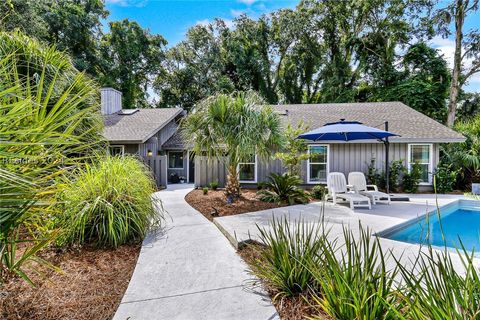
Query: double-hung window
[421, 154]
[317, 168]
[247, 171]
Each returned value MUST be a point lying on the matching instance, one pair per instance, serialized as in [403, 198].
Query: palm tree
[49, 124]
[235, 126]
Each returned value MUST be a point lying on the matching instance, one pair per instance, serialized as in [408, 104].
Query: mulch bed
[90, 286]
[248, 202]
[289, 308]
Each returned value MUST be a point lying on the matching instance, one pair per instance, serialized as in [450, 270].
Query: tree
[72, 25]
[237, 126]
[132, 57]
[195, 68]
[294, 150]
[422, 83]
[467, 46]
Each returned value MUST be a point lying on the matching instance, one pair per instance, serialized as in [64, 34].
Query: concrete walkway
[190, 271]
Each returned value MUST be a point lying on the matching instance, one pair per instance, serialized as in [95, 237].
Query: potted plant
[182, 179]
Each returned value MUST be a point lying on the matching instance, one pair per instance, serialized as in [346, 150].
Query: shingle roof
[410, 124]
[174, 142]
[139, 126]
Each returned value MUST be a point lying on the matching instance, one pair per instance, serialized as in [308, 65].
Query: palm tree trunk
[457, 63]
[232, 188]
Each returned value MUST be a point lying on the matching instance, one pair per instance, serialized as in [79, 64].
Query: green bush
[379, 179]
[445, 178]
[262, 185]
[205, 190]
[411, 179]
[436, 289]
[110, 203]
[283, 188]
[357, 283]
[290, 249]
[214, 185]
[319, 192]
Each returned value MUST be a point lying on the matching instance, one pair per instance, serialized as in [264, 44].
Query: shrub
[445, 178]
[262, 185]
[355, 284]
[49, 123]
[214, 185]
[435, 289]
[110, 203]
[319, 192]
[290, 249]
[395, 169]
[283, 188]
[411, 179]
[205, 190]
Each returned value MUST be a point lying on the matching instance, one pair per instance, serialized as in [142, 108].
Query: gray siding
[344, 157]
[167, 132]
[111, 100]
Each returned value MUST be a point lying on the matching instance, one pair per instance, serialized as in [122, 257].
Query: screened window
[175, 160]
[247, 171]
[116, 150]
[318, 163]
[421, 154]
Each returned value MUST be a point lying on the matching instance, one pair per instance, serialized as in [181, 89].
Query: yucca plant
[49, 124]
[109, 203]
[283, 188]
[290, 248]
[436, 289]
[354, 281]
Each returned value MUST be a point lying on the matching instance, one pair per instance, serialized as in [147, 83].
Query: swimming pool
[460, 219]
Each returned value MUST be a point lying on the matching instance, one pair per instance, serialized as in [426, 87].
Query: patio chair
[337, 189]
[359, 183]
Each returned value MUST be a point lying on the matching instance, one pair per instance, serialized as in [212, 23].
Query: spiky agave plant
[283, 188]
[49, 124]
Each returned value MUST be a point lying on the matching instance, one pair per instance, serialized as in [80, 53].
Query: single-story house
[418, 141]
[147, 133]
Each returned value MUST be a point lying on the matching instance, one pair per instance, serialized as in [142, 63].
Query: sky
[172, 18]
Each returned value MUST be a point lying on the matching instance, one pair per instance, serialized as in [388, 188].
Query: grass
[109, 203]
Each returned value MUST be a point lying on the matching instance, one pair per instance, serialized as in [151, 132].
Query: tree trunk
[457, 63]
[232, 187]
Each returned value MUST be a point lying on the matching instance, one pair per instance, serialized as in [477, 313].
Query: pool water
[460, 220]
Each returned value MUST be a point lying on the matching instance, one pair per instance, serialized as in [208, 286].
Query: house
[146, 133]
[152, 134]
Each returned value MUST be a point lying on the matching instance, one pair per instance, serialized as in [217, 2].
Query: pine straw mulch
[90, 285]
[289, 308]
[215, 199]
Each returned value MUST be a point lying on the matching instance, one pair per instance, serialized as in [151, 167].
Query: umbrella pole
[387, 166]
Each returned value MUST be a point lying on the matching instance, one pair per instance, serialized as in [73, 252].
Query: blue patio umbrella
[349, 131]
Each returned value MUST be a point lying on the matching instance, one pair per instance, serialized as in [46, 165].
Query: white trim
[168, 160]
[255, 171]
[430, 161]
[327, 163]
[122, 153]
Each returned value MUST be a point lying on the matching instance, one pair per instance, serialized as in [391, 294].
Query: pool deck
[242, 228]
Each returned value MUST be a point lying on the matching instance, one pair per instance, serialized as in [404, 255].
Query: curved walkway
[190, 271]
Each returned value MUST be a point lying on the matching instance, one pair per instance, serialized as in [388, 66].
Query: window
[247, 171]
[116, 150]
[421, 154]
[317, 168]
[175, 159]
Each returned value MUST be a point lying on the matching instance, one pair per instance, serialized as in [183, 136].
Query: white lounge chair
[337, 188]
[359, 183]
